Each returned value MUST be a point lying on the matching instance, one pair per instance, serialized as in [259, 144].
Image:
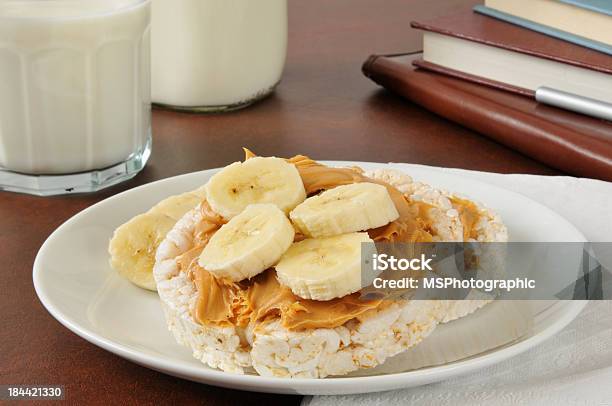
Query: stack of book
[516, 58]
[487, 67]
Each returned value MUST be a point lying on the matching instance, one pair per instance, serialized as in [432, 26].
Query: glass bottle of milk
[216, 55]
[74, 93]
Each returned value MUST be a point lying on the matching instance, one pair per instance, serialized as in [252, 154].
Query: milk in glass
[211, 55]
[74, 86]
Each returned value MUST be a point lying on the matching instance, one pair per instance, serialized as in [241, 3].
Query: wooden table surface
[324, 107]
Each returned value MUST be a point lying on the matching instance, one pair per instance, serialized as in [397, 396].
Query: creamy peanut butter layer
[262, 299]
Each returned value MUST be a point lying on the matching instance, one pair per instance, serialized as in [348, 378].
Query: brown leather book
[420, 63]
[486, 30]
[488, 51]
[576, 144]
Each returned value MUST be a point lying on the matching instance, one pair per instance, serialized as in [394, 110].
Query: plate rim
[301, 386]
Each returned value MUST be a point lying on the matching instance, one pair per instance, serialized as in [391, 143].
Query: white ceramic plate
[77, 286]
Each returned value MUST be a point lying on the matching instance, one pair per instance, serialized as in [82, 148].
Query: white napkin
[572, 368]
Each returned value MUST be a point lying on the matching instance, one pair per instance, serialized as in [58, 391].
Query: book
[573, 143]
[483, 49]
[586, 23]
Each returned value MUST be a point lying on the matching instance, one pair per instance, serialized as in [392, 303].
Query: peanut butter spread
[469, 215]
[262, 298]
[412, 225]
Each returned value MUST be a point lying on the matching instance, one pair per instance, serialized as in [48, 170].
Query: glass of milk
[75, 111]
[216, 55]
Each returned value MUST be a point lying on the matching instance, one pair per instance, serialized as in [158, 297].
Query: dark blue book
[586, 23]
[599, 6]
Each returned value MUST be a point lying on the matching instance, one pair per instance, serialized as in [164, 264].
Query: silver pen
[573, 102]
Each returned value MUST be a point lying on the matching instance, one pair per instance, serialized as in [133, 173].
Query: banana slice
[132, 248]
[257, 180]
[249, 243]
[200, 192]
[323, 268]
[177, 206]
[345, 209]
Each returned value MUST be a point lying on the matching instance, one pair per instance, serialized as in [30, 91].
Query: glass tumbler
[75, 99]
[216, 55]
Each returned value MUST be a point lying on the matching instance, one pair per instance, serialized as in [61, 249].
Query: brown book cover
[576, 144]
[478, 28]
[420, 63]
